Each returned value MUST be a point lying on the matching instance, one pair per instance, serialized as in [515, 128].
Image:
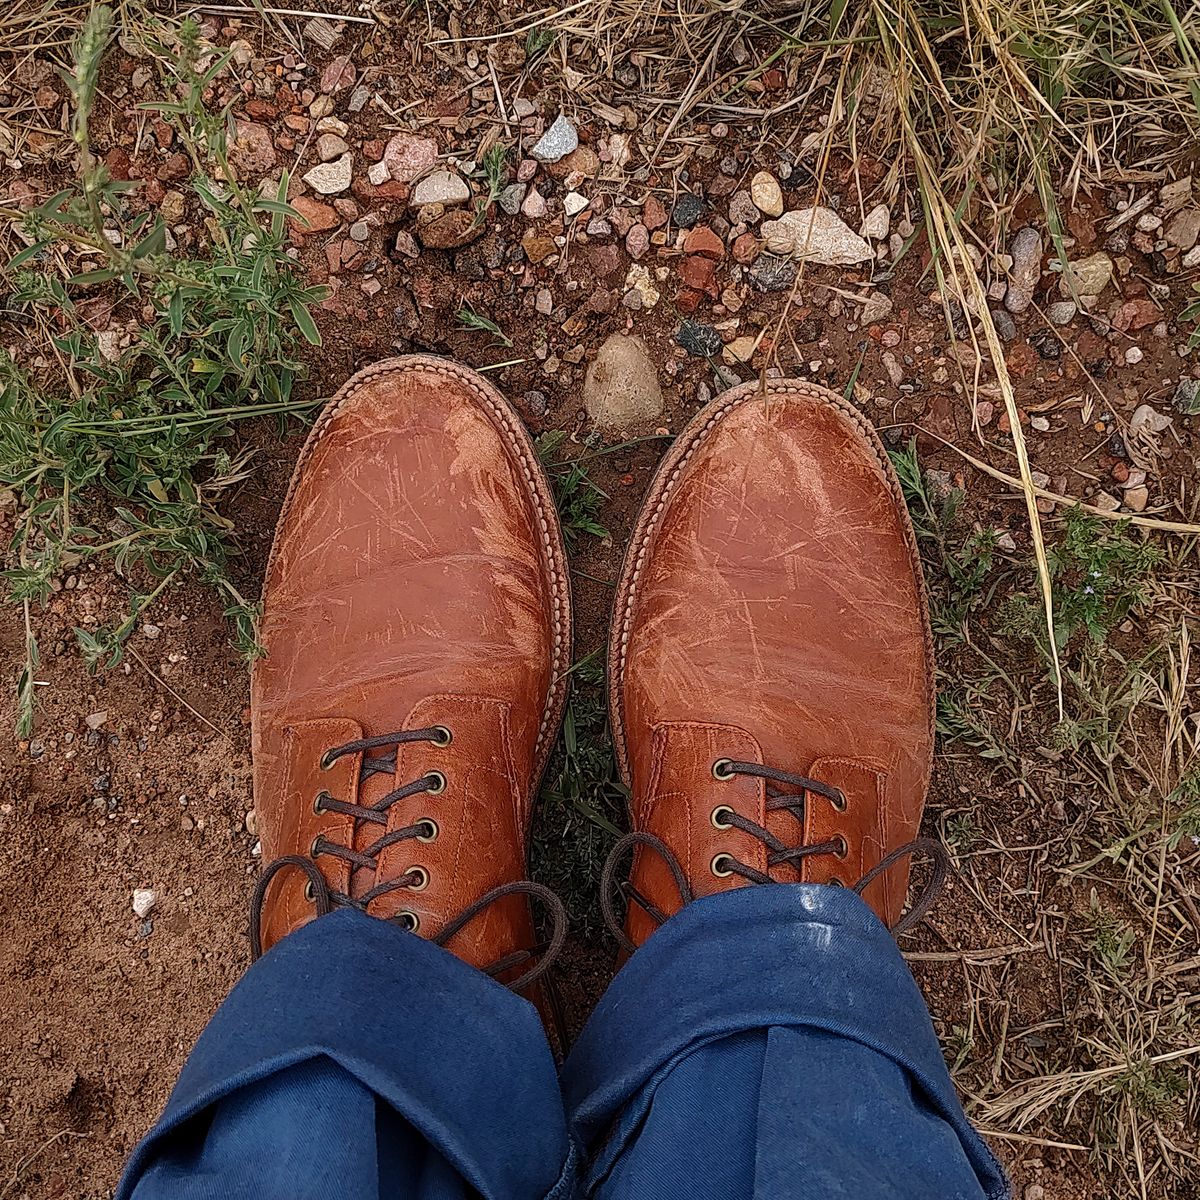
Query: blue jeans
[766, 1042]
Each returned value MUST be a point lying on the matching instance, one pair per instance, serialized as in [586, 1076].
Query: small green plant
[1154, 1089]
[538, 41]
[1099, 571]
[963, 833]
[469, 319]
[1192, 313]
[582, 800]
[959, 565]
[494, 169]
[1185, 812]
[133, 433]
[1111, 940]
[578, 499]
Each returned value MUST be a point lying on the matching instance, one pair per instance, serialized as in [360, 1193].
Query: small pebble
[143, 902]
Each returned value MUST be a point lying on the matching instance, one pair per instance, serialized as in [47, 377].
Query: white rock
[641, 283]
[330, 178]
[574, 203]
[557, 142]
[816, 235]
[877, 223]
[378, 173]
[766, 194]
[1146, 417]
[441, 187]
[143, 902]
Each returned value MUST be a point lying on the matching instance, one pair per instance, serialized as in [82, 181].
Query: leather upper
[771, 610]
[417, 579]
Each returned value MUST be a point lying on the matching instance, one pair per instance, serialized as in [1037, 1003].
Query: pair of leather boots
[770, 666]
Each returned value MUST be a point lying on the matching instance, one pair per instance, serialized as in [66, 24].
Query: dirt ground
[139, 778]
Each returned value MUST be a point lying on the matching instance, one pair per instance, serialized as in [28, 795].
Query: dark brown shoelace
[779, 852]
[325, 899]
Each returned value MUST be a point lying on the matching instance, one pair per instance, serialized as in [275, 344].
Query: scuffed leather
[417, 578]
[771, 608]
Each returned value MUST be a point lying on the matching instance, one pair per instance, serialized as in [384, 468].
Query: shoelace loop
[779, 853]
[325, 898]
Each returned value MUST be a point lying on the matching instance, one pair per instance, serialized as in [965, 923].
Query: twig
[173, 693]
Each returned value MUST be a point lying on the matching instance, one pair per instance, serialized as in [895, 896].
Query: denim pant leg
[355, 1061]
[770, 1042]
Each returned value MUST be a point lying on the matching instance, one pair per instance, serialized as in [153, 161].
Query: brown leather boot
[771, 665]
[417, 625]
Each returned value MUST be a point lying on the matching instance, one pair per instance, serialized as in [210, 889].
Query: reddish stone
[654, 216]
[338, 75]
[118, 163]
[537, 249]
[1120, 471]
[373, 149]
[164, 135]
[1022, 360]
[704, 242]
[451, 230]
[1136, 314]
[688, 300]
[261, 110]
[177, 166]
[605, 260]
[622, 220]
[297, 122]
[699, 273]
[320, 217]
[153, 192]
[746, 248]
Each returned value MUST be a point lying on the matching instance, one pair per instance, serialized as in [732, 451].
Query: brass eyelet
[409, 920]
[442, 735]
[838, 800]
[722, 769]
[843, 847]
[318, 807]
[717, 813]
[310, 893]
[327, 761]
[315, 849]
[422, 878]
[431, 825]
[435, 782]
[719, 871]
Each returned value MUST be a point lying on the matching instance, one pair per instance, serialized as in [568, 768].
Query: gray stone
[1183, 229]
[621, 389]
[770, 273]
[1026, 269]
[816, 235]
[1061, 312]
[689, 208]
[742, 209]
[330, 178]
[557, 142]
[442, 187]
[1187, 397]
[1006, 327]
[701, 341]
[511, 199]
[331, 146]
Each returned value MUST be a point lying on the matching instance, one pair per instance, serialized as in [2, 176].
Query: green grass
[581, 810]
[124, 452]
[578, 499]
[494, 169]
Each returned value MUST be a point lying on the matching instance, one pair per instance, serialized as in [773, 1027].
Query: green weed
[538, 41]
[582, 805]
[469, 319]
[1111, 941]
[1185, 811]
[579, 500]
[494, 168]
[125, 454]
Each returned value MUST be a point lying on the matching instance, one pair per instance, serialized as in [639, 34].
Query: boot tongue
[863, 825]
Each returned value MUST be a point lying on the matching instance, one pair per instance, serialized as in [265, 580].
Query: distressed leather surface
[771, 609]
[417, 578]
